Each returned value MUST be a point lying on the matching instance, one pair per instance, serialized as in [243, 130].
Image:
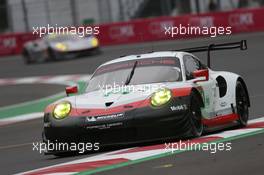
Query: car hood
[134, 96]
[103, 102]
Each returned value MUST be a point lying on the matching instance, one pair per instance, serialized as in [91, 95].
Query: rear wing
[242, 45]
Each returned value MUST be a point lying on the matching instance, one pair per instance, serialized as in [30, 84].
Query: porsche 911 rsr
[151, 96]
[58, 47]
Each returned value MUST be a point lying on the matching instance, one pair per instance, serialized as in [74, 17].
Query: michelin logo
[106, 117]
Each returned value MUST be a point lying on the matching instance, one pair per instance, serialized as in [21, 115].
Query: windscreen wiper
[131, 73]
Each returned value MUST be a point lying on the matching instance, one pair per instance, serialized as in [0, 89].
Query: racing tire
[26, 57]
[242, 104]
[52, 55]
[195, 116]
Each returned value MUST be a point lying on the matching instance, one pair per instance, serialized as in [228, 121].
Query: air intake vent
[107, 104]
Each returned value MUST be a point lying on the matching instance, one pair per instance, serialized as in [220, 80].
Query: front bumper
[134, 125]
[77, 53]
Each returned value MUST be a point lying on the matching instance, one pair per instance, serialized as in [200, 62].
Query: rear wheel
[195, 116]
[242, 104]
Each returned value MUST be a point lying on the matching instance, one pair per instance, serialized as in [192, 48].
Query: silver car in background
[58, 47]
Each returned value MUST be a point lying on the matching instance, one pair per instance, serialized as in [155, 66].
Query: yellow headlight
[94, 42]
[62, 110]
[161, 97]
[61, 46]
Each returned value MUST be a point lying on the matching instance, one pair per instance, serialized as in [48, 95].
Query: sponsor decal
[179, 107]
[157, 28]
[241, 19]
[114, 116]
[119, 32]
[223, 104]
[105, 126]
[9, 42]
[207, 21]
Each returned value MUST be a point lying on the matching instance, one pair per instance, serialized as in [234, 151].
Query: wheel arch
[196, 91]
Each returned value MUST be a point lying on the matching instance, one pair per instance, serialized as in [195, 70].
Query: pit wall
[153, 29]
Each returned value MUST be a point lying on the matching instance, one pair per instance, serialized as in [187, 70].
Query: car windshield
[61, 38]
[146, 71]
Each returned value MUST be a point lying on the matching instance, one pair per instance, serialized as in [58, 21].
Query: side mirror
[201, 75]
[71, 90]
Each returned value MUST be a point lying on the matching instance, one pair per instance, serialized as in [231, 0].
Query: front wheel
[242, 104]
[53, 55]
[26, 57]
[195, 116]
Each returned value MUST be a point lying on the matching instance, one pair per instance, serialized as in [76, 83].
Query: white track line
[21, 118]
[57, 79]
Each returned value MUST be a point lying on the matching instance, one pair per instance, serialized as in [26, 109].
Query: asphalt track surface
[26, 92]
[247, 154]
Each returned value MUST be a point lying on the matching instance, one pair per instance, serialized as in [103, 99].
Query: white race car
[150, 96]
